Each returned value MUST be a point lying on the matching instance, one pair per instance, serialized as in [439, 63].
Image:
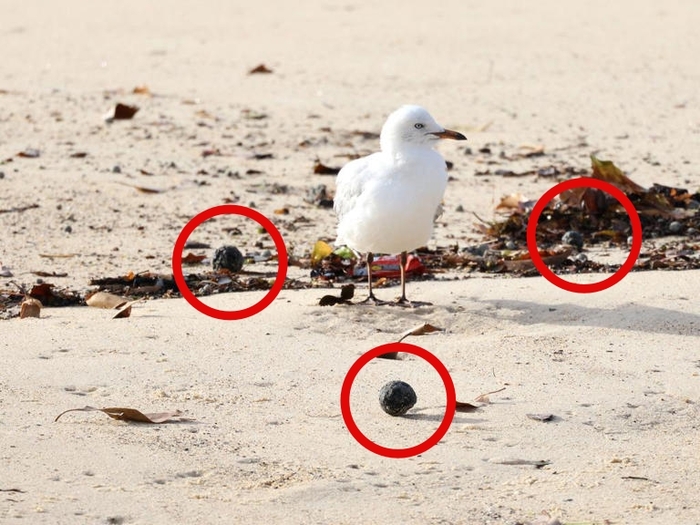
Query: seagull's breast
[386, 204]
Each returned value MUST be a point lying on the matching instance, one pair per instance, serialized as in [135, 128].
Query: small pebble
[117, 169]
[573, 238]
[630, 240]
[228, 258]
[510, 245]
[580, 258]
[691, 231]
[459, 208]
[2, 174]
[396, 398]
[675, 227]
[68, 229]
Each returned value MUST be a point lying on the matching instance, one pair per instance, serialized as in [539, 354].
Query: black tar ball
[228, 258]
[397, 398]
[573, 238]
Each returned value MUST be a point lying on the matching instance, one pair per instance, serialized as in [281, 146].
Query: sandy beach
[615, 374]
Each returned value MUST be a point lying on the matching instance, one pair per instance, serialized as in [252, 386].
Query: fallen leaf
[537, 463]
[105, 300]
[530, 150]
[281, 211]
[40, 273]
[131, 414]
[30, 307]
[123, 314]
[262, 68]
[524, 262]
[191, 258]
[322, 169]
[142, 90]
[142, 189]
[540, 417]
[29, 153]
[423, 329]
[465, 407]
[607, 171]
[79, 155]
[121, 112]
[484, 398]
[212, 152]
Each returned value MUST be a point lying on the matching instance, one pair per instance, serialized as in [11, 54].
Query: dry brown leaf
[421, 330]
[126, 311]
[124, 111]
[530, 150]
[484, 398]
[30, 307]
[142, 189]
[465, 407]
[131, 414]
[322, 169]
[123, 314]
[142, 90]
[105, 300]
[262, 68]
[191, 258]
[607, 171]
[541, 417]
[29, 153]
[41, 273]
[525, 262]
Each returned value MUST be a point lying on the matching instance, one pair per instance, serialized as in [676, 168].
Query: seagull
[387, 202]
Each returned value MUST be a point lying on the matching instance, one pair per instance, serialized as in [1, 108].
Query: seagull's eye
[418, 126]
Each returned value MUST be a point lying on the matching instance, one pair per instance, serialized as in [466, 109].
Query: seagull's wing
[351, 182]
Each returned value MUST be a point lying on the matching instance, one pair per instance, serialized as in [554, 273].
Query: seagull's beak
[449, 134]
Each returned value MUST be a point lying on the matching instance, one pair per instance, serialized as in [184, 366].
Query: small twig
[19, 209]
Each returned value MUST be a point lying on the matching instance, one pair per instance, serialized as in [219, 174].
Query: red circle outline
[231, 209]
[389, 452]
[634, 221]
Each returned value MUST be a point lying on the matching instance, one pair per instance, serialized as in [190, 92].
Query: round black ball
[396, 398]
[228, 258]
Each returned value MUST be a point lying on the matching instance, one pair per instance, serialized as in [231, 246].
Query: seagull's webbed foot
[372, 299]
[405, 303]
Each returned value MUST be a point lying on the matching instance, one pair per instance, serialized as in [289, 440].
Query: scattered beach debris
[132, 415]
[347, 292]
[461, 406]
[30, 307]
[105, 300]
[541, 417]
[482, 400]
[192, 259]
[423, 329]
[29, 153]
[397, 397]
[322, 169]
[19, 209]
[121, 112]
[260, 69]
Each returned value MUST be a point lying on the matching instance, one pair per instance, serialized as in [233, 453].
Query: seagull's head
[413, 126]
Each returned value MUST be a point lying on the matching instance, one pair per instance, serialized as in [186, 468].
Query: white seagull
[387, 202]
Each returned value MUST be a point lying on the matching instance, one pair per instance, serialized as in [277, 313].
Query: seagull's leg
[403, 259]
[371, 297]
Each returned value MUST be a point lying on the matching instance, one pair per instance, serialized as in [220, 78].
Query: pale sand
[618, 369]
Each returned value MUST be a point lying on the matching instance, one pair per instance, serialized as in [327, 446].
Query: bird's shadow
[629, 316]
